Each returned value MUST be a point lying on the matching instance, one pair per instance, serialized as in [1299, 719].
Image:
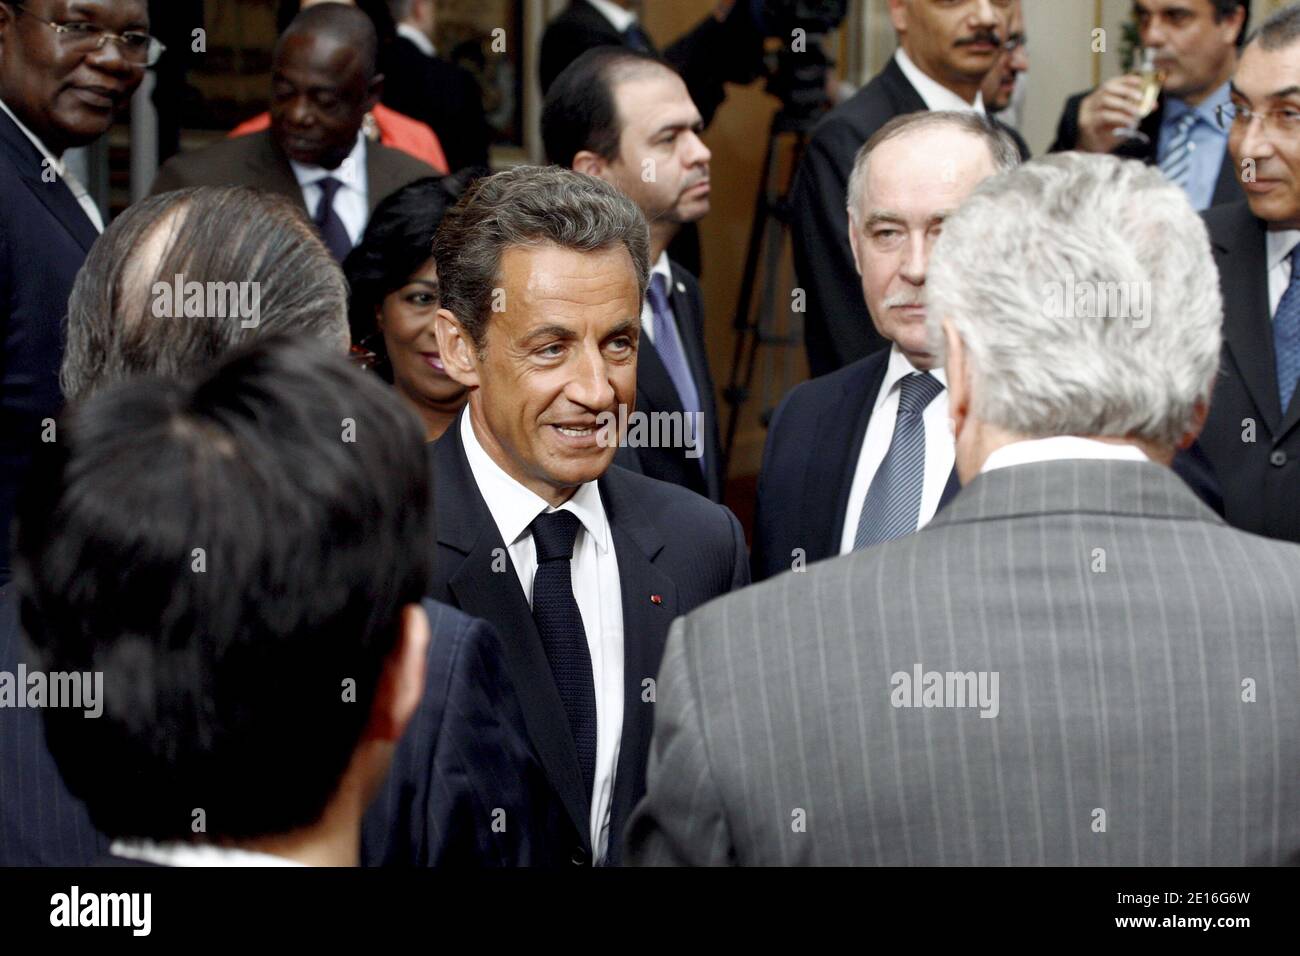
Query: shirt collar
[1279, 245]
[513, 507]
[619, 18]
[55, 161]
[1060, 448]
[422, 42]
[1206, 111]
[900, 367]
[936, 95]
[194, 854]
[663, 267]
[351, 172]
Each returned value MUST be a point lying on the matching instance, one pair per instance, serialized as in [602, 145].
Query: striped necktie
[1286, 335]
[893, 504]
[1177, 164]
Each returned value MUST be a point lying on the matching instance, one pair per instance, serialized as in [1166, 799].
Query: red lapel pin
[656, 599]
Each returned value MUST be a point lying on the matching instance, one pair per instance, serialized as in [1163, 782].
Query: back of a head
[527, 206]
[1086, 296]
[1279, 31]
[229, 553]
[180, 279]
[342, 23]
[580, 111]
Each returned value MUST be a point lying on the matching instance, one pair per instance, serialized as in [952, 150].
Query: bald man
[324, 81]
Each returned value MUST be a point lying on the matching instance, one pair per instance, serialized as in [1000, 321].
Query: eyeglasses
[138, 48]
[1284, 120]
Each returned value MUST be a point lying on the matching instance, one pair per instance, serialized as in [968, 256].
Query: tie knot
[328, 187]
[658, 291]
[917, 391]
[554, 535]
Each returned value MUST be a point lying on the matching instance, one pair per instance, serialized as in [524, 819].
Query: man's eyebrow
[696, 124]
[625, 327]
[878, 216]
[1284, 93]
[82, 10]
[550, 332]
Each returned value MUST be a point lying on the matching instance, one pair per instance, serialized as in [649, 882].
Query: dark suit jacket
[668, 541]
[1260, 478]
[44, 238]
[1227, 189]
[441, 94]
[465, 754]
[655, 392]
[809, 461]
[837, 326]
[256, 161]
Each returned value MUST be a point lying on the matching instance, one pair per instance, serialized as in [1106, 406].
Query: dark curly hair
[397, 242]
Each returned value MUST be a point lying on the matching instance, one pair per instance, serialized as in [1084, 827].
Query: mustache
[903, 301]
[983, 36]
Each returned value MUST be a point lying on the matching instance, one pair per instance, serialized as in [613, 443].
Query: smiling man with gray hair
[1076, 662]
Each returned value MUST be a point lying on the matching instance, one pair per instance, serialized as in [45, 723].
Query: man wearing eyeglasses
[1252, 436]
[1195, 44]
[66, 68]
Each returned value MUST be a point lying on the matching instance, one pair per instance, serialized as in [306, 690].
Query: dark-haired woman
[394, 298]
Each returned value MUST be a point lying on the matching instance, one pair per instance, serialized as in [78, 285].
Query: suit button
[579, 857]
[1277, 459]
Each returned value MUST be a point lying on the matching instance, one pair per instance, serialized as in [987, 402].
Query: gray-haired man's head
[1078, 296]
[910, 176]
[180, 279]
[543, 272]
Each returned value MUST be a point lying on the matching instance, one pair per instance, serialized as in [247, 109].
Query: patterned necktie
[1177, 164]
[668, 344]
[893, 503]
[1286, 335]
[563, 637]
[328, 222]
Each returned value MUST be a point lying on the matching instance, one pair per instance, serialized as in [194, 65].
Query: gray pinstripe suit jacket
[1148, 713]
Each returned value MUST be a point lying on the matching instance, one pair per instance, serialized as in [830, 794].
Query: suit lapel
[271, 170]
[466, 528]
[1247, 326]
[902, 93]
[1228, 188]
[55, 196]
[950, 489]
[691, 325]
[829, 477]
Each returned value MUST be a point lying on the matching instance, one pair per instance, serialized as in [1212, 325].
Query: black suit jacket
[441, 94]
[669, 543]
[464, 755]
[1261, 478]
[1227, 189]
[257, 161]
[44, 238]
[655, 392]
[809, 461]
[837, 325]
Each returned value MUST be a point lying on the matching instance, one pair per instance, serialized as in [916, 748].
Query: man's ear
[1200, 412]
[458, 352]
[375, 92]
[853, 244]
[401, 683]
[955, 369]
[898, 14]
[593, 164]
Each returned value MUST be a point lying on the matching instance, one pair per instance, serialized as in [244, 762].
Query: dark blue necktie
[668, 344]
[328, 222]
[893, 503]
[563, 637]
[1286, 334]
[636, 38]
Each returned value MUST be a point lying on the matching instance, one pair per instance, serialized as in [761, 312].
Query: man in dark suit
[854, 458]
[945, 51]
[421, 84]
[580, 566]
[324, 81]
[55, 94]
[1196, 43]
[1253, 433]
[1076, 663]
[615, 114]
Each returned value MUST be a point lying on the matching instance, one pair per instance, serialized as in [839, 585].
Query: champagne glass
[1152, 80]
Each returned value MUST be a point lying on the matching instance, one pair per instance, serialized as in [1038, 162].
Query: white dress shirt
[1278, 246]
[594, 569]
[422, 42]
[194, 854]
[940, 449]
[352, 201]
[79, 191]
[620, 18]
[936, 95]
[1060, 448]
[661, 267]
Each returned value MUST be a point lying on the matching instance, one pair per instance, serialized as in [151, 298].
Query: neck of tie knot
[658, 293]
[328, 187]
[554, 535]
[918, 391]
